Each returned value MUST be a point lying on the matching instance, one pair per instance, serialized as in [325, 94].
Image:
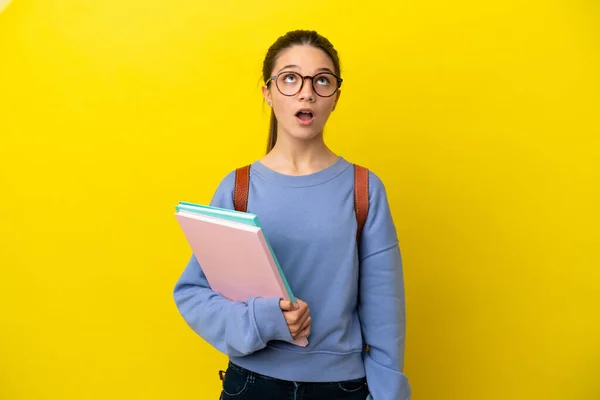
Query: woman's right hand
[297, 317]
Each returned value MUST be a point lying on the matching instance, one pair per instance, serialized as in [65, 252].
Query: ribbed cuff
[269, 319]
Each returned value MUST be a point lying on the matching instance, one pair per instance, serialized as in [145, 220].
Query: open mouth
[305, 117]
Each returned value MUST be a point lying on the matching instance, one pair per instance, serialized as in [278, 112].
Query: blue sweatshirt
[311, 224]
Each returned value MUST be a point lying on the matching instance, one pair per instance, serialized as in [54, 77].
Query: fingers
[301, 303]
[298, 321]
[298, 330]
[306, 325]
[297, 325]
[303, 333]
[302, 308]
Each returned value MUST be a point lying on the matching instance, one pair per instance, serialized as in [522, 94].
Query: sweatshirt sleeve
[232, 327]
[381, 301]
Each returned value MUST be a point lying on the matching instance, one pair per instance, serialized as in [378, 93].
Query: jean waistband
[254, 375]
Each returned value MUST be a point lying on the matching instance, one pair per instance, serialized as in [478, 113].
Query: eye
[289, 78]
[323, 80]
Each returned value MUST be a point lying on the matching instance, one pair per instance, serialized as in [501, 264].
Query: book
[236, 216]
[234, 253]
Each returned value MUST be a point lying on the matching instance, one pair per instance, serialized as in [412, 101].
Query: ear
[267, 95]
[337, 97]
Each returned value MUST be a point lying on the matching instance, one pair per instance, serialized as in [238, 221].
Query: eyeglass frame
[304, 77]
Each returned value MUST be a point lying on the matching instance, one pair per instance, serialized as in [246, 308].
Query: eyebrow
[324, 69]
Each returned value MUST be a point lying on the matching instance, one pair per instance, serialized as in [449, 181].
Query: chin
[305, 134]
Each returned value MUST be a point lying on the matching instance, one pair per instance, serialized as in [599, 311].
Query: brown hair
[290, 39]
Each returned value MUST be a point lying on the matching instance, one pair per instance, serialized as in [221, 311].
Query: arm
[234, 328]
[381, 303]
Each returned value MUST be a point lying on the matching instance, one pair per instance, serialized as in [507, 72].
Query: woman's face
[303, 115]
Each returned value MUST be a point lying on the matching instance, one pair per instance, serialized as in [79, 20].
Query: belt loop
[251, 377]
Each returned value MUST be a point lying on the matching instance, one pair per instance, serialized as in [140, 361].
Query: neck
[299, 157]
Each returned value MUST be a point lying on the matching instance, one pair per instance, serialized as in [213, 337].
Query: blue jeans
[242, 384]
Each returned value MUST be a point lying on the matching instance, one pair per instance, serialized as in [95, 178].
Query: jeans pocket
[353, 386]
[235, 383]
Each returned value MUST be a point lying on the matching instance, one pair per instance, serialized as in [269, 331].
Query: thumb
[287, 305]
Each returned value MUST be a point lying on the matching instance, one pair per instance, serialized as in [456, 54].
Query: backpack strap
[361, 197]
[241, 187]
[361, 194]
[361, 205]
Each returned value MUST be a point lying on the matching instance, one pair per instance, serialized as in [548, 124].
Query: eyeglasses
[289, 83]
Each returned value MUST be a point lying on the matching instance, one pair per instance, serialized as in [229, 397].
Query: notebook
[236, 216]
[234, 254]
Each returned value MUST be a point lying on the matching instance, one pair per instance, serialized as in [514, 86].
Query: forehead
[307, 59]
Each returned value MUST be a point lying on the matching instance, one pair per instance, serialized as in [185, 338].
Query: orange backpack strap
[240, 190]
[361, 197]
[361, 204]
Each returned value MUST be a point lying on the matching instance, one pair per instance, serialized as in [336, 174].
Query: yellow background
[482, 118]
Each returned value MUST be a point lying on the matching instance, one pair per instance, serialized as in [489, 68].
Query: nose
[307, 93]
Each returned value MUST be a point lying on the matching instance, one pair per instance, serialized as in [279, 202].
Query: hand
[297, 317]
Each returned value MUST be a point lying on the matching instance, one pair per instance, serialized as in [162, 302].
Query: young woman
[350, 291]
